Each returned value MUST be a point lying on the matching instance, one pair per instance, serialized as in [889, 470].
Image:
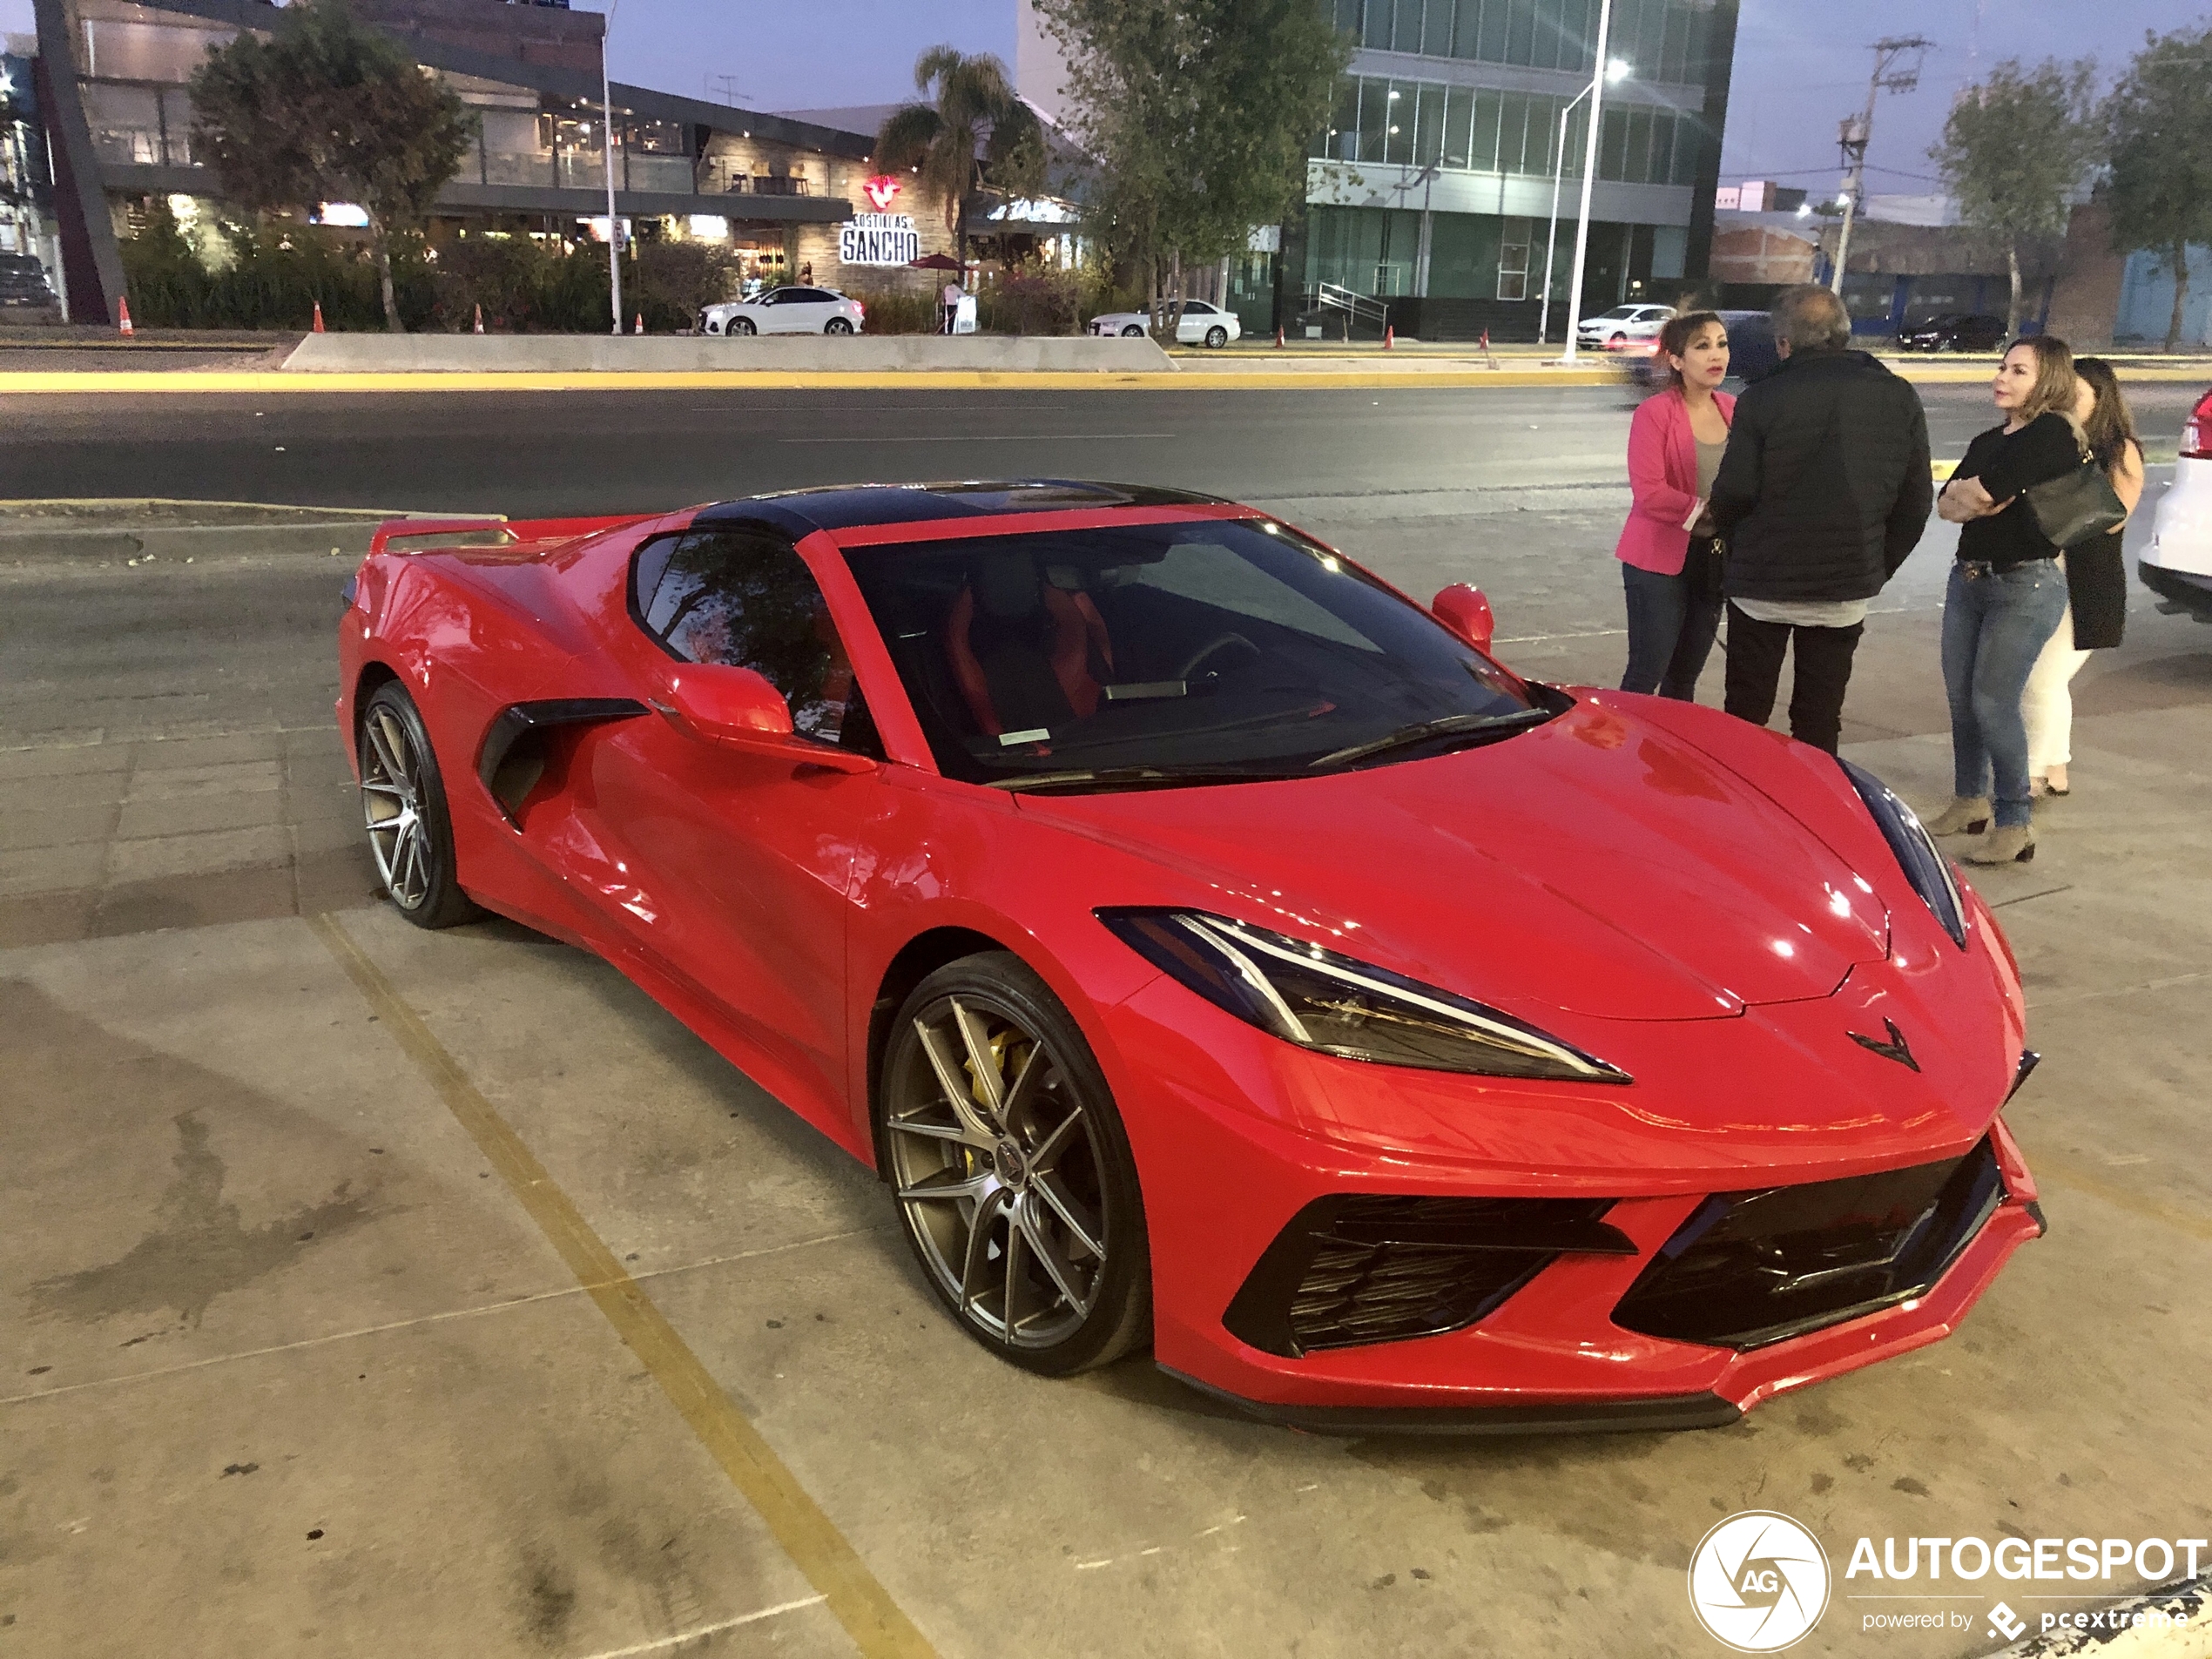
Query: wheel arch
[915, 961]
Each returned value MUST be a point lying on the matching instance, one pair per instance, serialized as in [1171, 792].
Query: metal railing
[1357, 309]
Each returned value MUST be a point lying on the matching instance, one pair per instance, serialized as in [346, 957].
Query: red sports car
[1212, 947]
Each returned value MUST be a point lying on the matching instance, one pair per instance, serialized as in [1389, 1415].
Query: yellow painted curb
[140, 382]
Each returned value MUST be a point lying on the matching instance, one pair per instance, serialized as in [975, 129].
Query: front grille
[1358, 1268]
[1747, 1269]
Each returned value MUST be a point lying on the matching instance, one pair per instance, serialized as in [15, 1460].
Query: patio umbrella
[934, 262]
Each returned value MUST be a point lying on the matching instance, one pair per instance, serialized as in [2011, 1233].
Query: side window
[745, 599]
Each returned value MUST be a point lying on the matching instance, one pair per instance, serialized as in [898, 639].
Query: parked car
[1200, 325]
[1954, 331]
[23, 281]
[785, 310]
[2177, 564]
[1212, 949]
[1750, 351]
[1623, 325]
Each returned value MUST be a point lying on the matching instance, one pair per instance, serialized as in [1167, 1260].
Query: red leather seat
[1026, 655]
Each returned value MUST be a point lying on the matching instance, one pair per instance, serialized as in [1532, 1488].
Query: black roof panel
[842, 507]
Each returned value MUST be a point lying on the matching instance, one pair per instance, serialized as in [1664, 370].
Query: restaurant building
[786, 195]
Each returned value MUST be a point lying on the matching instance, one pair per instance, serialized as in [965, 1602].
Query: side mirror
[1465, 611]
[737, 708]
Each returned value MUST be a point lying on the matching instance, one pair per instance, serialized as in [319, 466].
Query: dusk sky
[1799, 68]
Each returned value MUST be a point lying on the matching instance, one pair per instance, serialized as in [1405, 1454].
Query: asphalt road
[595, 452]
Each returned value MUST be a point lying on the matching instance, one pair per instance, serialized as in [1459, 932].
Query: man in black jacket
[1824, 488]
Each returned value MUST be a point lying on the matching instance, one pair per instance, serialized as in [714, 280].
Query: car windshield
[1142, 655]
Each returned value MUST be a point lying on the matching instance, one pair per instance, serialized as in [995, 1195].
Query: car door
[733, 866]
[1197, 317]
[808, 309]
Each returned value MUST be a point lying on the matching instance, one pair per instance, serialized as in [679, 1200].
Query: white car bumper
[2177, 564]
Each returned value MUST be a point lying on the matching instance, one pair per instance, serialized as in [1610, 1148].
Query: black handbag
[2078, 508]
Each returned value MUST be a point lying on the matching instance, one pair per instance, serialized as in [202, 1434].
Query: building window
[1512, 261]
[1665, 39]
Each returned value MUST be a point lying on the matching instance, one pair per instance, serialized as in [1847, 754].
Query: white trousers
[2048, 705]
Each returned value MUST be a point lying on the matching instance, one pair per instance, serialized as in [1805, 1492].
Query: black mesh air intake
[1358, 1268]
[1752, 1268]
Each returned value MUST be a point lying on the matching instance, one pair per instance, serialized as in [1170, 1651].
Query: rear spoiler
[511, 531]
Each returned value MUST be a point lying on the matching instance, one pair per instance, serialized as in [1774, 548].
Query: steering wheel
[1220, 643]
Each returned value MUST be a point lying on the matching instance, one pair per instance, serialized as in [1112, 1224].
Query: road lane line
[708, 1629]
[809, 1537]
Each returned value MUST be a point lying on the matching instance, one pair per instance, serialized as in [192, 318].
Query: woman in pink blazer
[1669, 558]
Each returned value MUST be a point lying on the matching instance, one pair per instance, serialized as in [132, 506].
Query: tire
[1217, 337]
[837, 326]
[1617, 342]
[403, 808]
[1130, 331]
[741, 325]
[1043, 1159]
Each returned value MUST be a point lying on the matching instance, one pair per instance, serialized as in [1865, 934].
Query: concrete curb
[2178, 1625]
[722, 354]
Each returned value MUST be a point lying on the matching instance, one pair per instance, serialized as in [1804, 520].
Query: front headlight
[1924, 866]
[1339, 1006]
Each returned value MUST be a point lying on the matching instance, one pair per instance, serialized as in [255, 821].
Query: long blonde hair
[2052, 392]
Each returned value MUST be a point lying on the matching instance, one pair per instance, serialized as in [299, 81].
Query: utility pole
[1598, 62]
[1896, 68]
[607, 150]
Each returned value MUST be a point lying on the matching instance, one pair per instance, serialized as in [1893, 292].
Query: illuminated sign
[878, 238]
[881, 190]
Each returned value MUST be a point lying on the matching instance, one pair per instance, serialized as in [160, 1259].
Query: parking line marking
[708, 1629]
[485, 1310]
[874, 1621]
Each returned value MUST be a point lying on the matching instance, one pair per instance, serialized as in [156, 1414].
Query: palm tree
[975, 134]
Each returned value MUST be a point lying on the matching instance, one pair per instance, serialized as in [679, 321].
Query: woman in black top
[2006, 595]
[2096, 581]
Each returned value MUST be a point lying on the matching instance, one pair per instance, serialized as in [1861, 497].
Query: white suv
[785, 310]
[2177, 565]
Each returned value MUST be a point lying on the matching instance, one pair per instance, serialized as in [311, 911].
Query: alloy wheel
[393, 805]
[1000, 1175]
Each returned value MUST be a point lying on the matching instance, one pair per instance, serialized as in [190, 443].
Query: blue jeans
[1994, 624]
[1670, 633]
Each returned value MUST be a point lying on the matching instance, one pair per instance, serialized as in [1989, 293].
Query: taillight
[2197, 431]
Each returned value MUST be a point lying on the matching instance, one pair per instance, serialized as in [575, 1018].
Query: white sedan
[2177, 565]
[785, 310]
[1201, 325]
[1623, 325]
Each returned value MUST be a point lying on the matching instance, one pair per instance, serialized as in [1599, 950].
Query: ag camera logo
[1758, 1582]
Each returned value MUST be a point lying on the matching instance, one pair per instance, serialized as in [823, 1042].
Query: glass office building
[1434, 179]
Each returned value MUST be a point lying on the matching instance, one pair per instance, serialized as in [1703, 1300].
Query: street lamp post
[1589, 177]
[607, 148]
[1615, 70]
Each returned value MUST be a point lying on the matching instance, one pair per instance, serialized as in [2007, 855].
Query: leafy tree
[2014, 146]
[326, 109]
[2160, 189]
[975, 134]
[1198, 113]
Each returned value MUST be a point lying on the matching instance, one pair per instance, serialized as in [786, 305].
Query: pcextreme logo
[1758, 1582]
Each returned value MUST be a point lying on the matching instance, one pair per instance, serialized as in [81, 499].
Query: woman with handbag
[1669, 558]
[2006, 595]
[2096, 581]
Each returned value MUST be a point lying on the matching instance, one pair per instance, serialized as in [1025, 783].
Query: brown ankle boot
[1964, 816]
[2015, 845]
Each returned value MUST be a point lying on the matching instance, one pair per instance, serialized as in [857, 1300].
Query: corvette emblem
[1895, 1049]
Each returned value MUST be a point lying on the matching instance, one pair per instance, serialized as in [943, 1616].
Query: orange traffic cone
[479, 320]
[638, 327]
[319, 327]
[1390, 336]
[123, 325]
[1279, 337]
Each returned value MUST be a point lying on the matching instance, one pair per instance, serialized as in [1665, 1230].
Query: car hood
[1595, 864]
